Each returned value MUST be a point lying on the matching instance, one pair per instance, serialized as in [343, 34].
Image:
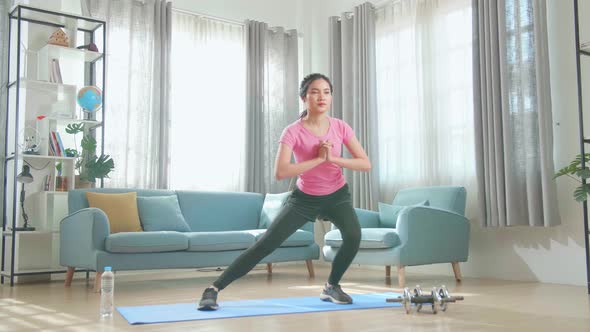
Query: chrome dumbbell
[446, 298]
[418, 292]
[415, 297]
[405, 300]
[438, 299]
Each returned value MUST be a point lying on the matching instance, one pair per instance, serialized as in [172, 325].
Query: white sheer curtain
[208, 103]
[133, 96]
[424, 95]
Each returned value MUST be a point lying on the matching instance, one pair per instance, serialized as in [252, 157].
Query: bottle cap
[107, 268]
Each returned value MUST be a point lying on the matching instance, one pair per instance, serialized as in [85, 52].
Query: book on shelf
[51, 150]
[60, 144]
[55, 148]
[47, 182]
[55, 72]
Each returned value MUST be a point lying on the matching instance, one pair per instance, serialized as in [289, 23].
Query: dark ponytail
[307, 80]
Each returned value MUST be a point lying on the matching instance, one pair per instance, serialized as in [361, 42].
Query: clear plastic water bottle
[107, 292]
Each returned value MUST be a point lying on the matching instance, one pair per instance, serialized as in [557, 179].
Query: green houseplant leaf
[74, 128]
[583, 173]
[89, 166]
[581, 193]
[89, 144]
[98, 167]
[575, 171]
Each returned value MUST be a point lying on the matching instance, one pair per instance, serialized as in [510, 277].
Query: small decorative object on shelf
[32, 141]
[24, 177]
[60, 38]
[91, 47]
[90, 99]
[61, 183]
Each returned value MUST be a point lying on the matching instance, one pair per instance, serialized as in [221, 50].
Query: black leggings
[299, 209]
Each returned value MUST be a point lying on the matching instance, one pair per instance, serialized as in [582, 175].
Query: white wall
[275, 13]
[285, 13]
[67, 6]
[554, 255]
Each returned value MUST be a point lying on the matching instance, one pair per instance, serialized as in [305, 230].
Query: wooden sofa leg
[69, 276]
[401, 275]
[388, 271]
[269, 268]
[310, 268]
[457, 271]
[97, 282]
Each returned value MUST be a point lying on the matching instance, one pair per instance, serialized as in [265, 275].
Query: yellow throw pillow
[120, 208]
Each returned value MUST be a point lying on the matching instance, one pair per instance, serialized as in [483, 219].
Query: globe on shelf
[90, 99]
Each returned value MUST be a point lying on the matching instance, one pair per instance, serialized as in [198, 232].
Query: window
[424, 94]
[208, 103]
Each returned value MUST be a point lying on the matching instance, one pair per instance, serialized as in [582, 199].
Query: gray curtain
[138, 89]
[272, 101]
[513, 123]
[352, 70]
[161, 86]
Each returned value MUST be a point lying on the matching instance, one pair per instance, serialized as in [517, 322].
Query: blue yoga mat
[187, 311]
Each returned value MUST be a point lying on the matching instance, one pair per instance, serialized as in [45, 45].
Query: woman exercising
[316, 141]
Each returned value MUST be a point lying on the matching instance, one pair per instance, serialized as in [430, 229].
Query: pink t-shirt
[327, 177]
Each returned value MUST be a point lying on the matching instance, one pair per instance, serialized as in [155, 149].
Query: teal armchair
[430, 227]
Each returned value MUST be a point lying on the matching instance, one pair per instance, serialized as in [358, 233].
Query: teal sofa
[427, 226]
[222, 225]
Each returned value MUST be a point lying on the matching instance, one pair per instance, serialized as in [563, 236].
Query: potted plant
[88, 165]
[583, 190]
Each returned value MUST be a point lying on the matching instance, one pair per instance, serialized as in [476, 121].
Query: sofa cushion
[300, 238]
[220, 211]
[137, 242]
[120, 208]
[371, 238]
[161, 213]
[448, 198]
[271, 207]
[219, 241]
[77, 199]
[388, 213]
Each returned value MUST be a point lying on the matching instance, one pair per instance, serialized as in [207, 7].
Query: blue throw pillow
[271, 207]
[161, 213]
[388, 213]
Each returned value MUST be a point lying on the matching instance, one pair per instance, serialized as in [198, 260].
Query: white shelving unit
[37, 105]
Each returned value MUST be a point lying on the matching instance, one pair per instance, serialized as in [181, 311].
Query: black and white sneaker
[208, 300]
[335, 294]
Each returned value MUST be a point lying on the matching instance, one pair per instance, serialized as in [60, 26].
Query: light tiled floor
[490, 305]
